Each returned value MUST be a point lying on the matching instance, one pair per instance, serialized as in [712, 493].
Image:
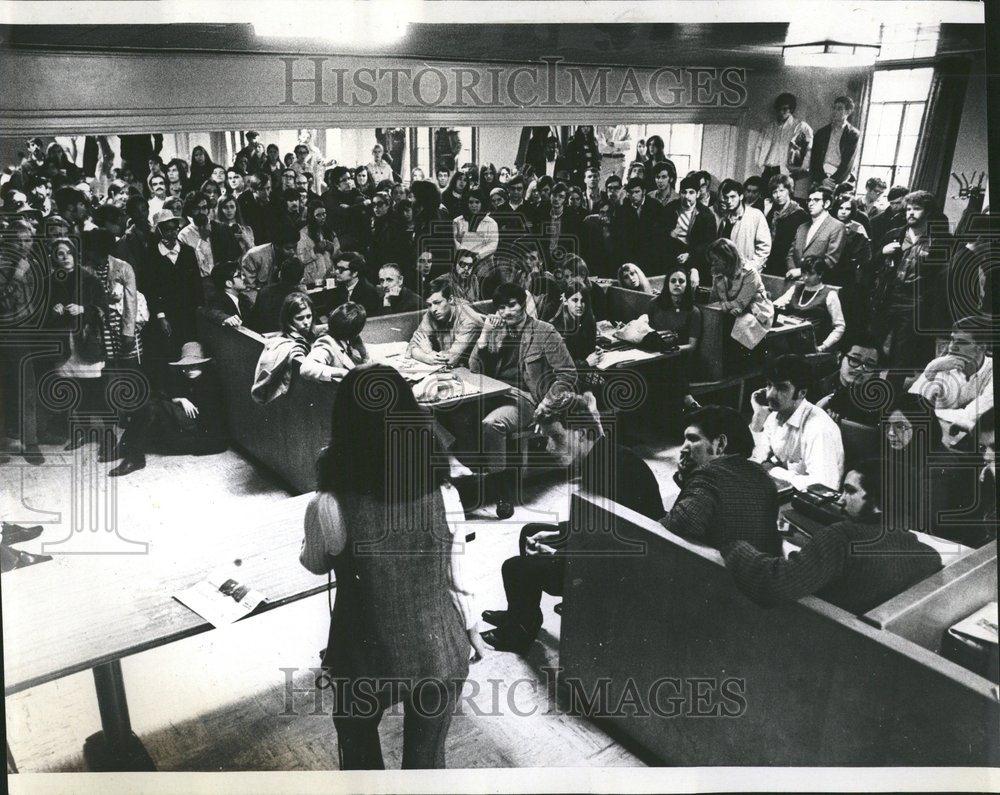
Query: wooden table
[72, 614]
[486, 389]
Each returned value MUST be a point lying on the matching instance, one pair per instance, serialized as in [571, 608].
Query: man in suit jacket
[724, 496]
[576, 438]
[226, 303]
[691, 229]
[255, 206]
[823, 236]
[352, 286]
[639, 230]
[396, 297]
[531, 356]
[835, 146]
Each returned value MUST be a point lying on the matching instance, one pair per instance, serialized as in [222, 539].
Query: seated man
[187, 419]
[531, 356]
[961, 381]
[266, 313]
[575, 435]
[395, 296]
[448, 330]
[856, 564]
[261, 263]
[226, 303]
[847, 399]
[724, 496]
[353, 286]
[797, 442]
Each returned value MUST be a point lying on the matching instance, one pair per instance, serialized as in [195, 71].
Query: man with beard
[724, 496]
[255, 207]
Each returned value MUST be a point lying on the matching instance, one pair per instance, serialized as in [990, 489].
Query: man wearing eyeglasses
[823, 236]
[853, 396]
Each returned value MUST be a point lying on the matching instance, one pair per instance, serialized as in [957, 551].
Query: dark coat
[848, 146]
[365, 293]
[641, 237]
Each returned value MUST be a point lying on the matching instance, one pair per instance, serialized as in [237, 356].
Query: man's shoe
[128, 466]
[505, 508]
[109, 452]
[509, 639]
[495, 617]
[16, 534]
[33, 455]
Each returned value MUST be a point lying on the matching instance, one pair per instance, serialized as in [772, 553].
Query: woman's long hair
[182, 172]
[381, 441]
[665, 298]
[293, 304]
[201, 173]
[905, 472]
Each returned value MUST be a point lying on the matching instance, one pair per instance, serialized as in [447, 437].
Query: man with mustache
[724, 497]
[856, 564]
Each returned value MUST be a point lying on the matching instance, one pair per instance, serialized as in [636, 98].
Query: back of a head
[716, 421]
[291, 272]
[97, 244]
[346, 321]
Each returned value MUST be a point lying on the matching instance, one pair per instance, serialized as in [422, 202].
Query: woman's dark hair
[426, 198]
[381, 442]
[576, 285]
[290, 307]
[459, 174]
[817, 265]
[920, 414]
[666, 299]
[182, 170]
[346, 321]
[786, 99]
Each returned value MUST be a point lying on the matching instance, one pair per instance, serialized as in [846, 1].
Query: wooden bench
[805, 683]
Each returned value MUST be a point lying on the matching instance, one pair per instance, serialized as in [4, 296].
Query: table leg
[115, 747]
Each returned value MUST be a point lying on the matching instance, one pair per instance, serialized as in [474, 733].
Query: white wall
[498, 145]
[971, 146]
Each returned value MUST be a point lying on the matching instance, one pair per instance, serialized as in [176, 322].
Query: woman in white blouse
[403, 624]
[816, 302]
[475, 231]
[378, 168]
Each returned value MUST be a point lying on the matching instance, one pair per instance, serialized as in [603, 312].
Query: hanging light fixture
[830, 53]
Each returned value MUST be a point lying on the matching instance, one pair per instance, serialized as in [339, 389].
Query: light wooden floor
[220, 700]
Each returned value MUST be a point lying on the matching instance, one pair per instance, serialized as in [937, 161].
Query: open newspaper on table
[222, 597]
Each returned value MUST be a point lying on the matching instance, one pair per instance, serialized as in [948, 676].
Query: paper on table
[221, 598]
[612, 358]
[380, 351]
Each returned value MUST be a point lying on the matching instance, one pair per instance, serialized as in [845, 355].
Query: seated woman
[341, 349]
[674, 310]
[575, 323]
[812, 300]
[631, 277]
[283, 355]
[928, 489]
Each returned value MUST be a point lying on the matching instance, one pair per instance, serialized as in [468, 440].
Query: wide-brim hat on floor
[191, 354]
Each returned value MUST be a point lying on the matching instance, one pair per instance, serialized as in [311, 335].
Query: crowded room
[525, 393]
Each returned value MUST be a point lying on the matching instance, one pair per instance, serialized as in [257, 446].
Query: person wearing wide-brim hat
[185, 420]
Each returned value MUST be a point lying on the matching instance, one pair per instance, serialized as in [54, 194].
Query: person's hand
[534, 544]
[595, 357]
[695, 279]
[943, 364]
[394, 290]
[59, 309]
[794, 273]
[759, 398]
[165, 327]
[891, 248]
[74, 309]
[833, 415]
[478, 647]
[767, 466]
[734, 311]
[439, 358]
[682, 258]
[232, 320]
[190, 409]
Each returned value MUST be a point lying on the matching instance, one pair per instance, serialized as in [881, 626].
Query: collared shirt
[170, 253]
[832, 161]
[508, 359]
[454, 338]
[965, 398]
[776, 141]
[806, 448]
[550, 168]
[814, 225]
[202, 246]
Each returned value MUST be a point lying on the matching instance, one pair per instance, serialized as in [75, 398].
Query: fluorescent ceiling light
[830, 54]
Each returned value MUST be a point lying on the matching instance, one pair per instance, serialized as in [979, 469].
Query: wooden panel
[861, 442]
[820, 686]
[923, 613]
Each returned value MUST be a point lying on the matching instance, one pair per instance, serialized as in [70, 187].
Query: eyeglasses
[341, 268]
[864, 364]
[379, 204]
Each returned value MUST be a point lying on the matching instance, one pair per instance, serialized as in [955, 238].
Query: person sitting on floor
[448, 330]
[341, 348]
[798, 442]
[187, 419]
[856, 564]
[724, 496]
[283, 354]
[576, 437]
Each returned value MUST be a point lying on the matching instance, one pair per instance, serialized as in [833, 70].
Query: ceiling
[735, 44]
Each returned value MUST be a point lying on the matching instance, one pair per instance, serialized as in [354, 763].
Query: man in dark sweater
[848, 394]
[724, 497]
[856, 564]
[576, 437]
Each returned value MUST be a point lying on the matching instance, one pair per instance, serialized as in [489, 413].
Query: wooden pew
[807, 682]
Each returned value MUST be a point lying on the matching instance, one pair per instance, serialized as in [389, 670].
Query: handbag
[748, 331]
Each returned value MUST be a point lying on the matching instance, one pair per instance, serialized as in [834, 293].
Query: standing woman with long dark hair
[402, 625]
[201, 166]
[454, 195]
[176, 173]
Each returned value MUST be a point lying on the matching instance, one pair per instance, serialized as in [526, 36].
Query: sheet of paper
[221, 598]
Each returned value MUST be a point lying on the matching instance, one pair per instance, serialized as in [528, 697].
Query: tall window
[895, 118]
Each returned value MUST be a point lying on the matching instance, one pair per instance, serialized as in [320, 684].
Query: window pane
[901, 85]
[912, 118]
[901, 42]
[907, 148]
[873, 124]
[867, 172]
[903, 175]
